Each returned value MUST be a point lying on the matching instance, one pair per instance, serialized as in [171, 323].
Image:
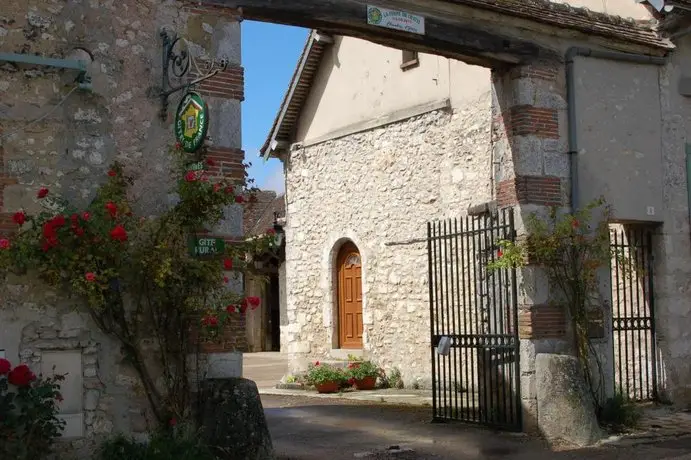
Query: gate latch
[444, 346]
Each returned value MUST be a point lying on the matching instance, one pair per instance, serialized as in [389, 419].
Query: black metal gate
[477, 381]
[633, 313]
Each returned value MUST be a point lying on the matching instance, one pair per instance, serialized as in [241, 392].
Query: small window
[409, 59]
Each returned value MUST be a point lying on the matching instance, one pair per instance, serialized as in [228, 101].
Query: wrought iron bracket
[176, 58]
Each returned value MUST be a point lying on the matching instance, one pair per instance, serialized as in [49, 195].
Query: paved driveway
[327, 429]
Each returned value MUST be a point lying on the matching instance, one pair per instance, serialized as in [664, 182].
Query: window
[71, 389]
[409, 59]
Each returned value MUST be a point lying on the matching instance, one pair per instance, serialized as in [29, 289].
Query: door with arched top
[349, 297]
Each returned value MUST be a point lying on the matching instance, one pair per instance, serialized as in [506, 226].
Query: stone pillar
[532, 174]
[214, 34]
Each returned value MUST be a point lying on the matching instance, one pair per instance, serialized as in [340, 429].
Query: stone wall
[78, 135]
[378, 189]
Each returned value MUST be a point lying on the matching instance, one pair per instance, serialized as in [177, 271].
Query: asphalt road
[326, 429]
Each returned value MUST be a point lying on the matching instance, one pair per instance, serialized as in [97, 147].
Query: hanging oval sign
[191, 122]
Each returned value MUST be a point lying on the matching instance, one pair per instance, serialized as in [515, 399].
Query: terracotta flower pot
[368, 383]
[328, 387]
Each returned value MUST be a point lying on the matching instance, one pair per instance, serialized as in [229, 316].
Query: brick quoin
[229, 84]
[7, 226]
[228, 163]
[541, 190]
[541, 322]
[525, 120]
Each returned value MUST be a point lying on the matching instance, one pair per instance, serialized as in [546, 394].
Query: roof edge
[314, 47]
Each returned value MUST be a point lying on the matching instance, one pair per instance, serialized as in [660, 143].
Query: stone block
[233, 420]
[566, 412]
[224, 365]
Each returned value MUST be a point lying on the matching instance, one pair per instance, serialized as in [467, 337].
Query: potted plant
[363, 374]
[325, 377]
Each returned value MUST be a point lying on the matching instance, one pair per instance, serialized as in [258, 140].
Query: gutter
[571, 54]
[688, 175]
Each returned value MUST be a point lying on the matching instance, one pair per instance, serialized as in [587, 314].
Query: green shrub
[619, 413]
[392, 379]
[359, 370]
[28, 413]
[177, 444]
[318, 374]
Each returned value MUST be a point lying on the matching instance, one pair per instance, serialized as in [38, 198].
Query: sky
[269, 54]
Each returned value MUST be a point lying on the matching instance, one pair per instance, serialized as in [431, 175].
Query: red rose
[21, 376]
[213, 321]
[226, 279]
[42, 193]
[78, 231]
[112, 173]
[239, 199]
[204, 178]
[217, 187]
[19, 218]
[230, 308]
[49, 229]
[75, 219]
[58, 221]
[316, 363]
[205, 321]
[173, 421]
[191, 176]
[230, 190]
[4, 243]
[111, 208]
[178, 145]
[210, 162]
[86, 216]
[500, 254]
[575, 223]
[243, 305]
[5, 366]
[271, 231]
[119, 234]
[90, 277]
[254, 302]
[228, 264]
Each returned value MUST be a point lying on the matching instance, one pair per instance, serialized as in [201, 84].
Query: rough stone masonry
[53, 135]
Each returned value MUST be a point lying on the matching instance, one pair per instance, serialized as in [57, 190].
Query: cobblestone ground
[327, 429]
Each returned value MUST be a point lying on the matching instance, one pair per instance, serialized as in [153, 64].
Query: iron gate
[476, 308]
[633, 313]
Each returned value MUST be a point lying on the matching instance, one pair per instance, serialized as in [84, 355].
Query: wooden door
[349, 297]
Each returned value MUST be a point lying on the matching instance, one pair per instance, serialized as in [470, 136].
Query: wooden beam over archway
[454, 37]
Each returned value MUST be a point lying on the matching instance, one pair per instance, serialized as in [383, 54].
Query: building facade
[55, 134]
[376, 142]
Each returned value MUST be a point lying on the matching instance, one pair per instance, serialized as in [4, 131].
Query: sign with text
[395, 19]
[206, 247]
[191, 122]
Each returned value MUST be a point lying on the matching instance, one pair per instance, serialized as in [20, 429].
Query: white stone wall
[375, 188]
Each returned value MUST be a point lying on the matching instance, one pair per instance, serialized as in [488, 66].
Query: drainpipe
[571, 54]
[688, 176]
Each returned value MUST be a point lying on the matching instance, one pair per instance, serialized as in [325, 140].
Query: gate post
[532, 174]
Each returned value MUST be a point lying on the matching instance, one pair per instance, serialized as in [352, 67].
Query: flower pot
[328, 387]
[368, 383]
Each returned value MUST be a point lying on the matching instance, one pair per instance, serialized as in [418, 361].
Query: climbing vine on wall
[572, 248]
[137, 276]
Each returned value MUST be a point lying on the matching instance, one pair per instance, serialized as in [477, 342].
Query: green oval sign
[191, 122]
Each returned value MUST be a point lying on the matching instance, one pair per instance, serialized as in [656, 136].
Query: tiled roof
[581, 19]
[259, 216]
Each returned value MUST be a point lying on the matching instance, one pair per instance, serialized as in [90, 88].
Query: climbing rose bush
[28, 412]
[139, 280]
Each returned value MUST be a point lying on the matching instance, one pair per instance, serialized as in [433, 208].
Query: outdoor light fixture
[280, 234]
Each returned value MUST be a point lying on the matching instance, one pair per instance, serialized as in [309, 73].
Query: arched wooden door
[349, 297]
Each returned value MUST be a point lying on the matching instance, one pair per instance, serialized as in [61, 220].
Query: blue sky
[269, 55]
